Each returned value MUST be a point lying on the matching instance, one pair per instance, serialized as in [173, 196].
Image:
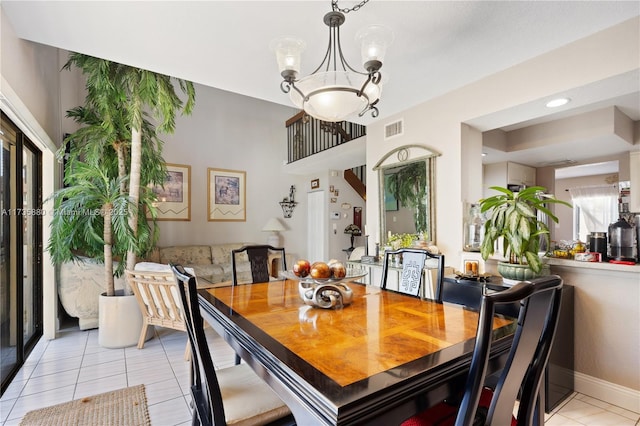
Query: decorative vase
[516, 272]
[120, 321]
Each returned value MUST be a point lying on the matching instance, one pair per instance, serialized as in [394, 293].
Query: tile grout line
[15, 400]
[84, 351]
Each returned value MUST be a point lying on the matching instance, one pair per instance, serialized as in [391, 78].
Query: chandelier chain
[334, 5]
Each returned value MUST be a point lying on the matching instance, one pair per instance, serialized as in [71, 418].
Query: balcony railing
[307, 136]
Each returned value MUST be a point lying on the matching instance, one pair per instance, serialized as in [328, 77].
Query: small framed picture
[174, 194]
[336, 192]
[315, 184]
[226, 195]
[331, 188]
[334, 200]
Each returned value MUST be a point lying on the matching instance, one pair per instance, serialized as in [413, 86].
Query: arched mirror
[406, 178]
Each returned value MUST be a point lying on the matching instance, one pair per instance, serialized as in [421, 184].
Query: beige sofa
[212, 262]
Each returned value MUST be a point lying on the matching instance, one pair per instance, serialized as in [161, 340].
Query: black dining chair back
[258, 256]
[411, 280]
[206, 395]
[234, 394]
[522, 374]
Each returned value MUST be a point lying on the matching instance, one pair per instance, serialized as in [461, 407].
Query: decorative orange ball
[302, 268]
[320, 270]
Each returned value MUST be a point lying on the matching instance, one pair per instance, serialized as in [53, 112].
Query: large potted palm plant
[513, 218]
[115, 139]
[120, 95]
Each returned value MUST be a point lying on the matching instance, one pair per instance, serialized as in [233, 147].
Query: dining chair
[411, 280]
[233, 395]
[522, 374]
[159, 302]
[260, 257]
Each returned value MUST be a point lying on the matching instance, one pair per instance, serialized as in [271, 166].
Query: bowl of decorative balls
[323, 284]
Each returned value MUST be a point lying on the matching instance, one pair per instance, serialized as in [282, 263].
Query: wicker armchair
[159, 301]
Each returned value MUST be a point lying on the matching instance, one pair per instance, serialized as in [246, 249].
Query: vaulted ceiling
[438, 45]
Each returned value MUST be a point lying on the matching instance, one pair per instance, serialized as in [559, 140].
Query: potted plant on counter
[513, 217]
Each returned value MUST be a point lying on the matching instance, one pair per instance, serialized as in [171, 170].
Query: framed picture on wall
[174, 195]
[226, 195]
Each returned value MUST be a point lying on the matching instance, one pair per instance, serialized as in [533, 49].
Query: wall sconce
[289, 203]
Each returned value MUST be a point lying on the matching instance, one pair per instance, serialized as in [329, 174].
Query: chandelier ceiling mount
[335, 91]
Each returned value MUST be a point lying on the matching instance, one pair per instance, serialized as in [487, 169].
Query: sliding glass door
[20, 248]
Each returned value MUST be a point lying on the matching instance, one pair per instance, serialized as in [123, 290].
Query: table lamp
[354, 231]
[274, 226]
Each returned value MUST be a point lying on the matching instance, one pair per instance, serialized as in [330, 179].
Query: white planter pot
[119, 321]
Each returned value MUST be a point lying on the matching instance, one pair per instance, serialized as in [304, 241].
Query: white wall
[229, 131]
[34, 95]
[339, 241]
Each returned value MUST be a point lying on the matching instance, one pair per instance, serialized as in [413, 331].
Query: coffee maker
[622, 242]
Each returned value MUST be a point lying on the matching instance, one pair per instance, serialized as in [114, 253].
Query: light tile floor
[74, 366]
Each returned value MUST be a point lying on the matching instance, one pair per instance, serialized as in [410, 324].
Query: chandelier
[335, 90]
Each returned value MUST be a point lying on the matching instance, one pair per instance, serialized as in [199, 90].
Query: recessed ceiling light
[554, 103]
[484, 154]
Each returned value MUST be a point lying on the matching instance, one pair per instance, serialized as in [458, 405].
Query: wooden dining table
[378, 360]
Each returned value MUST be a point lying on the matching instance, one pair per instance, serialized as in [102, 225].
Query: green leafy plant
[401, 240]
[119, 95]
[91, 217]
[117, 145]
[409, 186]
[513, 217]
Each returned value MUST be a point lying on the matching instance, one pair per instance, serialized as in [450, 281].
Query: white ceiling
[438, 45]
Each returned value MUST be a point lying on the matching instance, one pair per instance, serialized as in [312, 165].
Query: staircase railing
[307, 136]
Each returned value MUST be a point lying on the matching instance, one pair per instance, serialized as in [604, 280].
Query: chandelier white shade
[332, 96]
[335, 91]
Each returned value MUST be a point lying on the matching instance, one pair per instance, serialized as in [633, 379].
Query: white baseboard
[621, 396]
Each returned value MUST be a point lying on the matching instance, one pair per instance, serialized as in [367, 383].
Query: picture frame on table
[226, 195]
[174, 194]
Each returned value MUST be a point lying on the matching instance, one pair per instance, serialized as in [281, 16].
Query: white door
[316, 226]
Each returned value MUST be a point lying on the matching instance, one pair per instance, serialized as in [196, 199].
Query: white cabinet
[634, 177]
[518, 174]
[506, 173]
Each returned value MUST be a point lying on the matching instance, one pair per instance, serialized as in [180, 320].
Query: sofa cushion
[212, 273]
[186, 255]
[221, 253]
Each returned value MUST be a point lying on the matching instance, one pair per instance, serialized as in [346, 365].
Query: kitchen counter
[607, 327]
[592, 265]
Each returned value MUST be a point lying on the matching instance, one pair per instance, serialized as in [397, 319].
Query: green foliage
[78, 223]
[401, 240]
[113, 158]
[513, 216]
[409, 186]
